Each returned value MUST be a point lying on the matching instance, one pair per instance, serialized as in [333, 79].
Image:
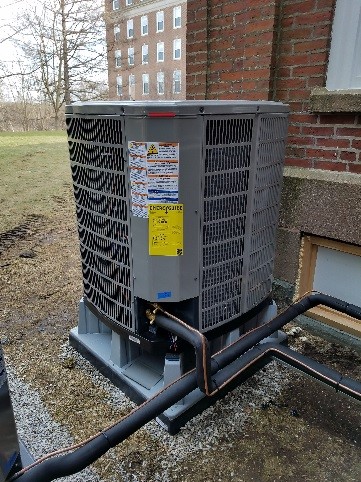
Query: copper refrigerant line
[236, 362]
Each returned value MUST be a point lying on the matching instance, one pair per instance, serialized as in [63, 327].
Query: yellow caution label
[152, 149]
[165, 229]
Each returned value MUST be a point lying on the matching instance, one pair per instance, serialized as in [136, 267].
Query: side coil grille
[242, 181]
[226, 182]
[268, 181]
[101, 194]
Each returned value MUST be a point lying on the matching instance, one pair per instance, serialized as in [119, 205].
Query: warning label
[154, 174]
[152, 150]
[165, 229]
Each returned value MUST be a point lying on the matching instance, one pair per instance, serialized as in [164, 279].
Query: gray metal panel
[176, 275]
[182, 108]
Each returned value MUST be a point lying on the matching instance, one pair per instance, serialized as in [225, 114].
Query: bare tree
[63, 45]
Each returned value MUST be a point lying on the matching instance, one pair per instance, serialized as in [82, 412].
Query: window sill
[327, 101]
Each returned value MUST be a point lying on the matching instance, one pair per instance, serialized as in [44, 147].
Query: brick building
[146, 48]
[306, 53]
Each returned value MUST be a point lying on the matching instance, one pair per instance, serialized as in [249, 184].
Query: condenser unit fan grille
[101, 194]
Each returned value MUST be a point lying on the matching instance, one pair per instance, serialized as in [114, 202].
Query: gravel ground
[37, 429]
[42, 434]
[276, 426]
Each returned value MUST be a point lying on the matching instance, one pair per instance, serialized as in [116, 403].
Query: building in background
[146, 49]
[306, 54]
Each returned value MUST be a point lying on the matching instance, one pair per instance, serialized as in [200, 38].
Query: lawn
[35, 175]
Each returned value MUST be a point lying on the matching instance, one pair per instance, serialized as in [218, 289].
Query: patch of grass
[35, 175]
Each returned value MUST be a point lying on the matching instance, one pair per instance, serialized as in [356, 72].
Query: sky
[9, 9]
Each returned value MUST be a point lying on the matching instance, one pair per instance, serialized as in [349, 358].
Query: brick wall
[275, 50]
[230, 49]
[318, 141]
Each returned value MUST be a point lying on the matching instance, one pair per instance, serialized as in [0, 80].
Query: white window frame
[177, 80]
[160, 20]
[119, 85]
[131, 86]
[344, 66]
[130, 55]
[144, 25]
[145, 84]
[118, 58]
[116, 4]
[160, 82]
[116, 32]
[160, 52]
[130, 28]
[145, 54]
[177, 49]
[177, 17]
[128, 2]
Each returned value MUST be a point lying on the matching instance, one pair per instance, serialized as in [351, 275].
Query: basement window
[333, 268]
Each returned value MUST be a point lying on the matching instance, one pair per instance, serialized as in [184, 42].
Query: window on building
[131, 55]
[119, 85]
[145, 81]
[144, 54]
[160, 52]
[344, 67]
[177, 49]
[116, 4]
[128, 2]
[116, 32]
[131, 86]
[160, 21]
[177, 82]
[160, 83]
[144, 25]
[334, 268]
[177, 12]
[130, 28]
[118, 58]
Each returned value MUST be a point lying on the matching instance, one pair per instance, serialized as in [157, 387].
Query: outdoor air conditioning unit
[177, 203]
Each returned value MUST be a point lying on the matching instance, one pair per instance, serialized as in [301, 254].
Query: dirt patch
[12, 236]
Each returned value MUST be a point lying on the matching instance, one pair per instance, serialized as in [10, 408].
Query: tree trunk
[65, 53]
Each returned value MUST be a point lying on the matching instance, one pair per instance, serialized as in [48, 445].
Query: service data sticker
[138, 178]
[154, 174]
[163, 171]
[165, 229]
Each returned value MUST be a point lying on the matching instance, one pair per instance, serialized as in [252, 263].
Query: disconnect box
[177, 204]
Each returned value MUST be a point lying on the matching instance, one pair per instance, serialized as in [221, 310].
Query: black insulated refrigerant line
[236, 362]
[200, 342]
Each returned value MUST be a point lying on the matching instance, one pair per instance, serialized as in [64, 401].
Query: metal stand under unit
[141, 375]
